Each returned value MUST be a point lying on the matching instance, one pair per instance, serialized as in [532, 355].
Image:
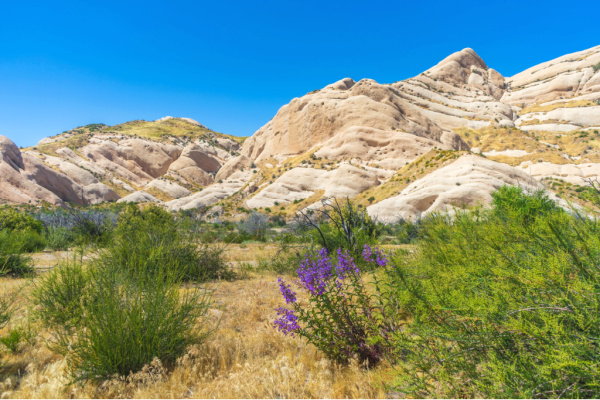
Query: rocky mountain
[445, 138]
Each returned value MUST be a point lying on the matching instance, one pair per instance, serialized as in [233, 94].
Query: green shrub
[495, 307]
[60, 294]
[341, 224]
[59, 238]
[511, 202]
[283, 263]
[149, 240]
[13, 220]
[31, 241]
[15, 338]
[12, 260]
[5, 311]
[126, 322]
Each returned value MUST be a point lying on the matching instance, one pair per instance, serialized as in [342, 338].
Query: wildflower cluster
[341, 318]
[375, 255]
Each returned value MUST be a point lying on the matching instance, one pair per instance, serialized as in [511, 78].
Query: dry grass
[542, 146]
[424, 165]
[563, 104]
[244, 358]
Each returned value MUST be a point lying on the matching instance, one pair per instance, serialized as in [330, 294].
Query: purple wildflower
[345, 265]
[286, 291]
[313, 275]
[375, 255]
[287, 321]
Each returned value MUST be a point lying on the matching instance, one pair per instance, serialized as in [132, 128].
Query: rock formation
[541, 125]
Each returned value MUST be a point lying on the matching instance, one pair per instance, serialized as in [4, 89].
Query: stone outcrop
[466, 182]
[339, 141]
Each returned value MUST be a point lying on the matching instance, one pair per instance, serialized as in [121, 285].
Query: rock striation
[344, 140]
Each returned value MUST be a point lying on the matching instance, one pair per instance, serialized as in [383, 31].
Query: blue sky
[232, 64]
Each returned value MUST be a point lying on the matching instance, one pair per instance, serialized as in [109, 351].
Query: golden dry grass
[563, 104]
[245, 357]
[542, 146]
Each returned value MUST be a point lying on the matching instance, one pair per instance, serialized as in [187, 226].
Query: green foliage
[59, 238]
[126, 308]
[342, 225]
[596, 67]
[12, 260]
[60, 294]
[511, 202]
[114, 323]
[283, 263]
[5, 311]
[149, 240]
[13, 220]
[501, 303]
[15, 338]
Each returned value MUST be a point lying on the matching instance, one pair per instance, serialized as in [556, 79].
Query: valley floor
[243, 358]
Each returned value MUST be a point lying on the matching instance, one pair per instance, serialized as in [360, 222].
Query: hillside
[445, 138]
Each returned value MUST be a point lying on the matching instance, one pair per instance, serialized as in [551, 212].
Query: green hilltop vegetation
[161, 130]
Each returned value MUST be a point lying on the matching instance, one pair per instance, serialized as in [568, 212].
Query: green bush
[495, 307]
[122, 323]
[149, 240]
[60, 294]
[12, 260]
[15, 338]
[341, 224]
[511, 202]
[59, 238]
[13, 220]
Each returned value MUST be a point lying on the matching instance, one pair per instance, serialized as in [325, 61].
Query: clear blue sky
[232, 64]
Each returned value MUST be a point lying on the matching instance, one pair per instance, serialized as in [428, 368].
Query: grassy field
[244, 357]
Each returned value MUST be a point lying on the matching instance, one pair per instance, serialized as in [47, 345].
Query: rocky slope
[445, 138]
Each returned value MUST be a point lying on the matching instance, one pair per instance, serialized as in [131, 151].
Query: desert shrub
[64, 229]
[149, 240]
[60, 294]
[59, 238]
[5, 311]
[284, 262]
[16, 338]
[512, 202]
[24, 228]
[13, 220]
[501, 303]
[93, 227]
[255, 227]
[340, 224]
[342, 317]
[107, 322]
[12, 260]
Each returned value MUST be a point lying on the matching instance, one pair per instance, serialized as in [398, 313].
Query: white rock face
[568, 76]
[468, 181]
[171, 188]
[211, 195]
[24, 178]
[139, 197]
[573, 173]
[301, 183]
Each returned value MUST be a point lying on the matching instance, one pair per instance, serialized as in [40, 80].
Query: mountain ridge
[342, 140]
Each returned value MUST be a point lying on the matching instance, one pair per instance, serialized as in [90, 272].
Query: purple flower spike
[345, 265]
[313, 276]
[286, 291]
[375, 255]
[367, 253]
[287, 321]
